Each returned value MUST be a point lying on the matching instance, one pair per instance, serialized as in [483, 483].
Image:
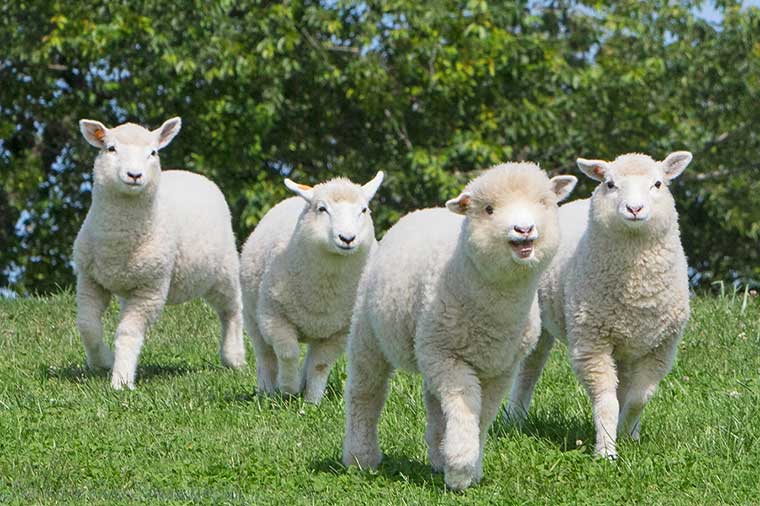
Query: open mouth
[523, 249]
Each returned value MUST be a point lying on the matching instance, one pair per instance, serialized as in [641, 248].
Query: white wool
[446, 296]
[165, 242]
[617, 292]
[299, 286]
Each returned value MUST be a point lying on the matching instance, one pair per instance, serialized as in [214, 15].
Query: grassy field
[194, 432]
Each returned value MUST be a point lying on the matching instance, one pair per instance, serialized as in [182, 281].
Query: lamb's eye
[657, 184]
[322, 209]
[112, 149]
[364, 210]
[610, 185]
[489, 209]
[153, 153]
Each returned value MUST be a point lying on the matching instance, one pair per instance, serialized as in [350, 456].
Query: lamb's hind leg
[137, 313]
[643, 378]
[436, 425]
[226, 301]
[527, 377]
[493, 391]
[319, 361]
[365, 393]
[266, 360]
[92, 301]
[282, 336]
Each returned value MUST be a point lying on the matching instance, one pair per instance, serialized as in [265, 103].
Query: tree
[428, 92]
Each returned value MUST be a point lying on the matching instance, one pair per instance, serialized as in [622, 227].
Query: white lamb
[453, 297]
[151, 238]
[299, 271]
[617, 291]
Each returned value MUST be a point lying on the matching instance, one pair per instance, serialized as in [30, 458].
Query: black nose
[634, 210]
[134, 176]
[347, 240]
[523, 230]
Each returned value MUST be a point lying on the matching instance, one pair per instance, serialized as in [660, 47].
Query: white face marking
[635, 197]
[345, 225]
[127, 168]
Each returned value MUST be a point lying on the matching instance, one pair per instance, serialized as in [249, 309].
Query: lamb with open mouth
[523, 248]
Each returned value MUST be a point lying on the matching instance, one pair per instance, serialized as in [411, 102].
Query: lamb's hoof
[234, 361]
[364, 460]
[436, 462]
[102, 359]
[460, 478]
[514, 416]
[313, 397]
[121, 381]
[606, 454]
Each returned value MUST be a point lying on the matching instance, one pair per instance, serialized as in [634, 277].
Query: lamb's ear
[675, 163]
[304, 191]
[563, 186]
[461, 204]
[94, 132]
[595, 169]
[168, 131]
[369, 189]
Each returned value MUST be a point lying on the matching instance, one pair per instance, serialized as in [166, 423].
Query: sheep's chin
[634, 223]
[523, 252]
[343, 251]
[130, 188]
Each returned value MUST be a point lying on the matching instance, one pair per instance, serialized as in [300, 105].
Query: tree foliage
[427, 91]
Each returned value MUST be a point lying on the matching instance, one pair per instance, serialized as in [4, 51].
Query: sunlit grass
[194, 432]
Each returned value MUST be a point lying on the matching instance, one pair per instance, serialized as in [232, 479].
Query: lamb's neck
[122, 218]
[480, 283]
[320, 269]
[648, 252]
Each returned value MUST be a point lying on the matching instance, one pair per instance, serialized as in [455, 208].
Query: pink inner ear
[99, 134]
[598, 170]
[464, 202]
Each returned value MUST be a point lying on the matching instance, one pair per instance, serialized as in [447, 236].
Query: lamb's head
[337, 217]
[128, 160]
[511, 215]
[633, 195]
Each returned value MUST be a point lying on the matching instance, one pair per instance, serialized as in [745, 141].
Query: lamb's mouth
[523, 249]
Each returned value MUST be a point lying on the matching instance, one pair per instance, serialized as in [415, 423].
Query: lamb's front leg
[138, 312]
[92, 301]
[458, 389]
[319, 362]
[596, 370]
[282, 336]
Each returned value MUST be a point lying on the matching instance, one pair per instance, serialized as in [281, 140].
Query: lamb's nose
[634, 210]
[524, 230]
[134, 175]
[347, 240]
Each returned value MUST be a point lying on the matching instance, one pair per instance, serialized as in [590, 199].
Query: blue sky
[710, 13]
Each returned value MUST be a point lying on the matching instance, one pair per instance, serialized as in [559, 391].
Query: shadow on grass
[77, 373]
[277, 400]
[393, 468]
[562, 430]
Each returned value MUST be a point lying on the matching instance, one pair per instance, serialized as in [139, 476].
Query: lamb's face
[634, 193]
[511, 215]
[338, 218]
[128, 161]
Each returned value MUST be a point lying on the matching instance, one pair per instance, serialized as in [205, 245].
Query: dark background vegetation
[427, 91]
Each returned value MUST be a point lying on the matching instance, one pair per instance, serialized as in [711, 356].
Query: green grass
[194, 432]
